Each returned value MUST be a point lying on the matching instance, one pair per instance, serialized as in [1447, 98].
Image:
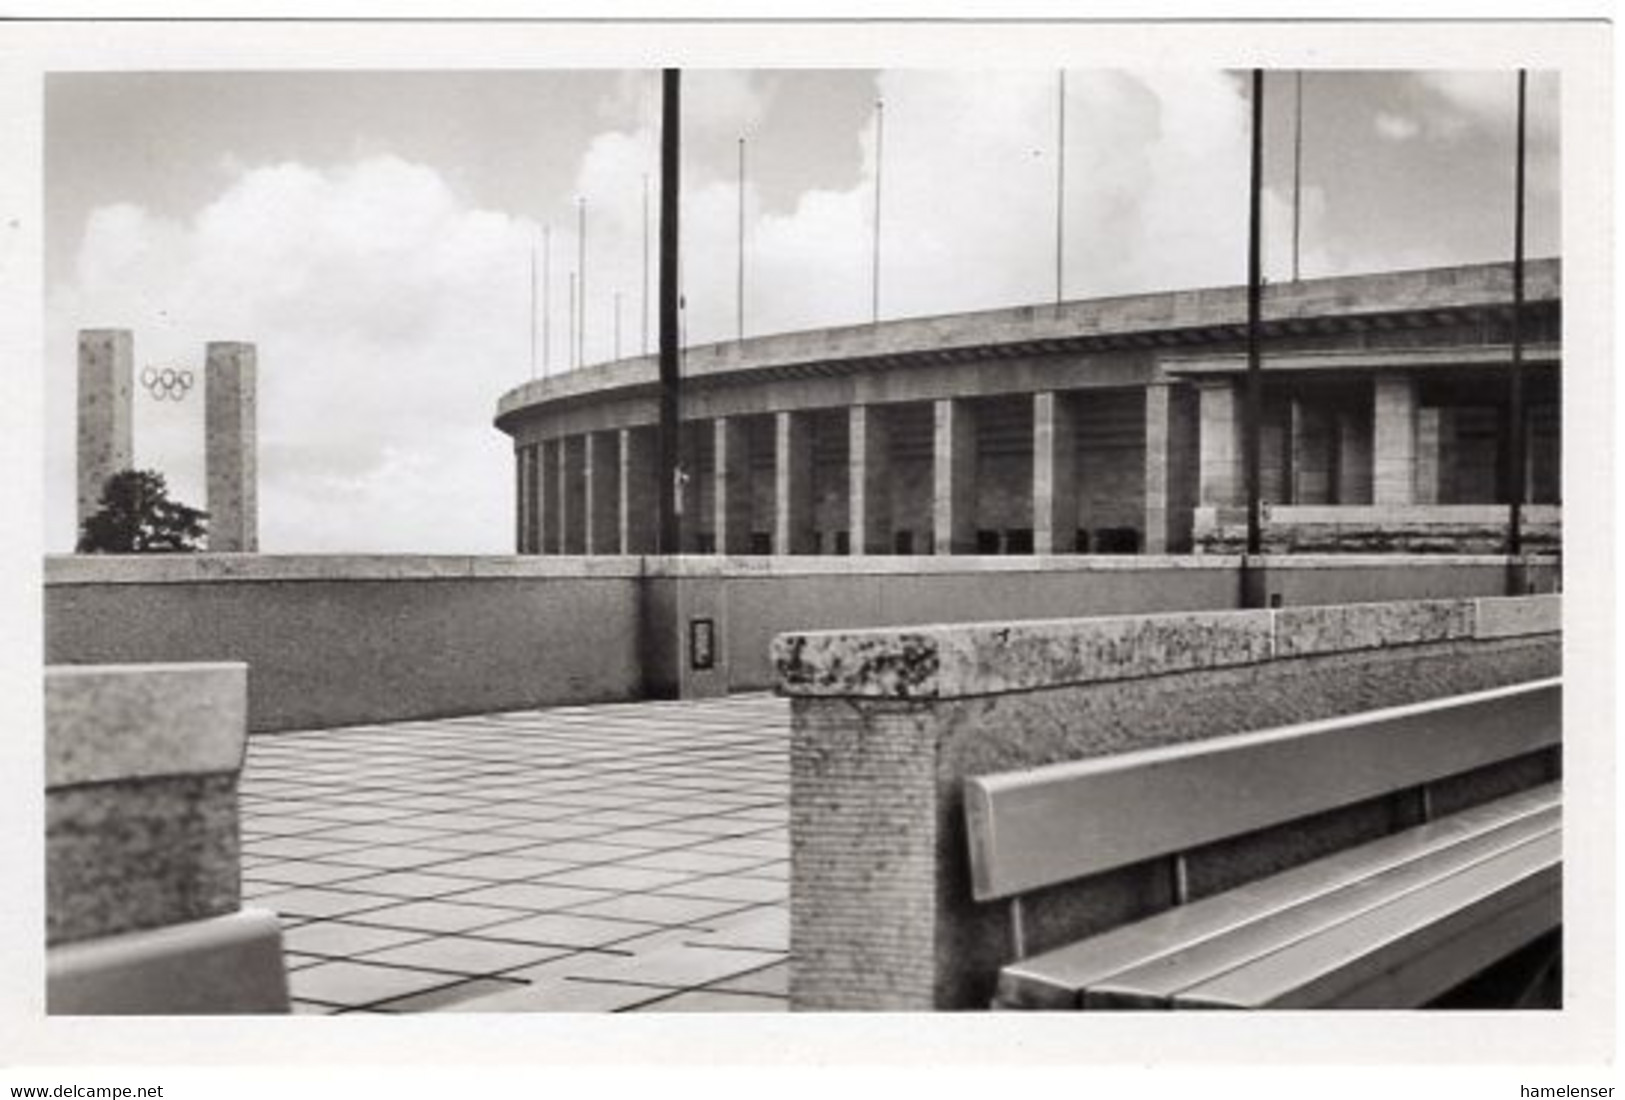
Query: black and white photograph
[1021, 529]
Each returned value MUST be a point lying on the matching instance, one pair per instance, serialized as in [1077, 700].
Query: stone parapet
[141, 768]
[143, 864]
[887, 725]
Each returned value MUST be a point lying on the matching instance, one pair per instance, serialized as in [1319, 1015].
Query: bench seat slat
[1486, 911]
[1057, 979]
[1164, 979]
[1051, 824]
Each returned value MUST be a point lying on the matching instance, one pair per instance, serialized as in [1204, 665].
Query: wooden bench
[1394, 922]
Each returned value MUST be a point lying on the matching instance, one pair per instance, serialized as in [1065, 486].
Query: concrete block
[122, 722]
[1300, 631]
[939, 662]
[141, 796]
[1517, 616]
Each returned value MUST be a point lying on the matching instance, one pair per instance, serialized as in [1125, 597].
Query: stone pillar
[953, 484]
[731, 469]
[230, 442]
[1159, 488]
[1353, 459]
[794, 531]
[548, 481]
[1220, 479]
[105, 437]
[1311, 454]
[1393, 439]
[603, 493]
[869, 466]
[640, 482]
[524, 509]
[1055, 474]
[573, 494]
[1428, 440]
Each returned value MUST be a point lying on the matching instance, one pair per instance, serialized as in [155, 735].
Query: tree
[137, 517]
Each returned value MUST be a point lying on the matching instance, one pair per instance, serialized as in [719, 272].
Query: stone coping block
[110, 723]
[1516, 616]
[951, 661]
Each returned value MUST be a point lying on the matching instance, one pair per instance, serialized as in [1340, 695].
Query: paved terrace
[626, 857]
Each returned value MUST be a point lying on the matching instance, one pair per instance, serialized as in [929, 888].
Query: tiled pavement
[599, 858]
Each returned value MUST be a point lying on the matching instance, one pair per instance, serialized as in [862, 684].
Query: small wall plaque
[702, 654]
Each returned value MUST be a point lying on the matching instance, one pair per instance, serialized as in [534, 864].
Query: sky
[374, 234]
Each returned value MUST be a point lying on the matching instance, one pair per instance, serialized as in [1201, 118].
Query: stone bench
[887, 726]
[143, 880]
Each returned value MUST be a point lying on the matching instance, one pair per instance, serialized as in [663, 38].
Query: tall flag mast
[1060, 188]
[880, 144]
[1255, 382]
[739, 293]
[547, 297]
[581, 288]
[670, 145]
[1515, 433]
[1297, 171]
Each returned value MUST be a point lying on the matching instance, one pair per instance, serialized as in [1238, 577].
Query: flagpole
[739, 293]
[880, 140]
[1060, 189]
[644, 310]
[547, 298]
[581, 288]
[1515, 434]
[1297, 172]
[1255, 382]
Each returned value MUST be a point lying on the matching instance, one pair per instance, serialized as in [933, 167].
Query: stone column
[603, 493]
[1159, 452]
[1311, 464]
[953, 484]
[1427, 455]
[548, 481]
[573, 494]
[521, 510]
[1055, 474]
[230, 441]
[640, 482]
[1393, 439]
[1353, 459]
[1220, 480]
[794, 531]
[869, 490]
[105, 437]
[731, 469]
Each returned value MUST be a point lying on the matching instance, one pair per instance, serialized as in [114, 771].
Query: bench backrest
[1052, 824]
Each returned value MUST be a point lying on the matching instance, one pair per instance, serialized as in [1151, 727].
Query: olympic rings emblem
[167, 383]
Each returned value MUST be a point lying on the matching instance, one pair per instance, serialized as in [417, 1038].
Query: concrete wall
[887, 725]
[336, 640]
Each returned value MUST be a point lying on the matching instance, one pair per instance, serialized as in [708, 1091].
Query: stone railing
[143, 874]
[887, 724]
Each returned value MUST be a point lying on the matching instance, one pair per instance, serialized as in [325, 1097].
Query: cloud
[390, 312]
[387, 315]
[1396, 127]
